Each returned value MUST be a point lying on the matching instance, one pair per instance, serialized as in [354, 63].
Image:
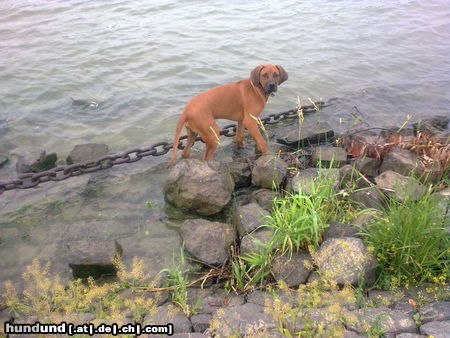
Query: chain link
[30, 180]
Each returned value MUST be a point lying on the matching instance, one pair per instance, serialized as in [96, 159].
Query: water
[141, 61]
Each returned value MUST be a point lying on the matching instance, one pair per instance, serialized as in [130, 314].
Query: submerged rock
[87, 152]
[201, 187]
[34, 159]
[93, 257]
[208, 241]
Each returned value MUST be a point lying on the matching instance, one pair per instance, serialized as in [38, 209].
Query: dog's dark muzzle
[271, 87]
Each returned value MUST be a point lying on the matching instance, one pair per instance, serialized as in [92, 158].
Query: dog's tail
[176, 139]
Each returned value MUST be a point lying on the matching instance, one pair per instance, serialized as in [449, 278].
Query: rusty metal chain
[61, 173]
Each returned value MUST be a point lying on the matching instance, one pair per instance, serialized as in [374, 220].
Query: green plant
[177, 280]
[298, 219]
[410, 242]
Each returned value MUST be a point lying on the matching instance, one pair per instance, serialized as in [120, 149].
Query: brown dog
[240, 101]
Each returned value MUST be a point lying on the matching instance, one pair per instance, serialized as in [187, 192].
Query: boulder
[435, 311]
[169, 313]
[242, 320]
[346, 260]
[370, 198]
[338, 230]
[208, 241]
[293, 270]
[399, 186]
[34, 160]
[254, 242]
[366, 218]
[269, 171]
[93, 257]
[200, 322]
[299, 135]
[304, 181]
[249, 217]
[436, 329]
[265, 198]
[368, 166]
[327, 157]
[402, 161]
[202, 187]
[351, 178]
[389, 321]
[433, 125]
[88, 152]
[241, 173]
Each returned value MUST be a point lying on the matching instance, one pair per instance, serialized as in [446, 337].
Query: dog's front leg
[251, 125]
[239, 137]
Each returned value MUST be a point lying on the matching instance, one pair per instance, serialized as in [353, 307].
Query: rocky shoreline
[226, 205]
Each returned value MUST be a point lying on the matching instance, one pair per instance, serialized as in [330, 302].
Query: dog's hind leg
[211, 138]
[189, 142]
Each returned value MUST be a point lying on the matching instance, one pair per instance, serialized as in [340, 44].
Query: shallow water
[140, 61]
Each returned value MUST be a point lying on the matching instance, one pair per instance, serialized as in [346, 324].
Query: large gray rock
[368, 166]
[34, 159]
[401, 161]
[293, 270]
[202, 187]
[241, 173]
[368, 198]
[249, 217]
[435, 311]
[399, 186]
[208, 241]
[350, 178]
[437, 329]
[243, 320]
[169, 313]
[306, 179]
[346, 260]
[88, 152]
[304, 134]
[265, 198]
[254, 242]
[269, 171]
[338, 230]
[389, 321]
[326, 157]
[93, 257]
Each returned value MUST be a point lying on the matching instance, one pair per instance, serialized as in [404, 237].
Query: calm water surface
[140, 62]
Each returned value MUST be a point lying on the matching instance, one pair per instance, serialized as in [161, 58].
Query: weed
[410, 242]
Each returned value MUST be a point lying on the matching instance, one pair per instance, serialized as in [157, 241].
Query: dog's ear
[254, 75]
[283, 74]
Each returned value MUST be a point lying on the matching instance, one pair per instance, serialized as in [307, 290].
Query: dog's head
[268, 77]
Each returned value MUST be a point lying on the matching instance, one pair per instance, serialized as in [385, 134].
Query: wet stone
[34, 160]
[87, 152]
[241, 173]
[93, 257]
[3, 160]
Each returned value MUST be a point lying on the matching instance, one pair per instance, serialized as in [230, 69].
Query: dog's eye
[265, 75]
[275, 75]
